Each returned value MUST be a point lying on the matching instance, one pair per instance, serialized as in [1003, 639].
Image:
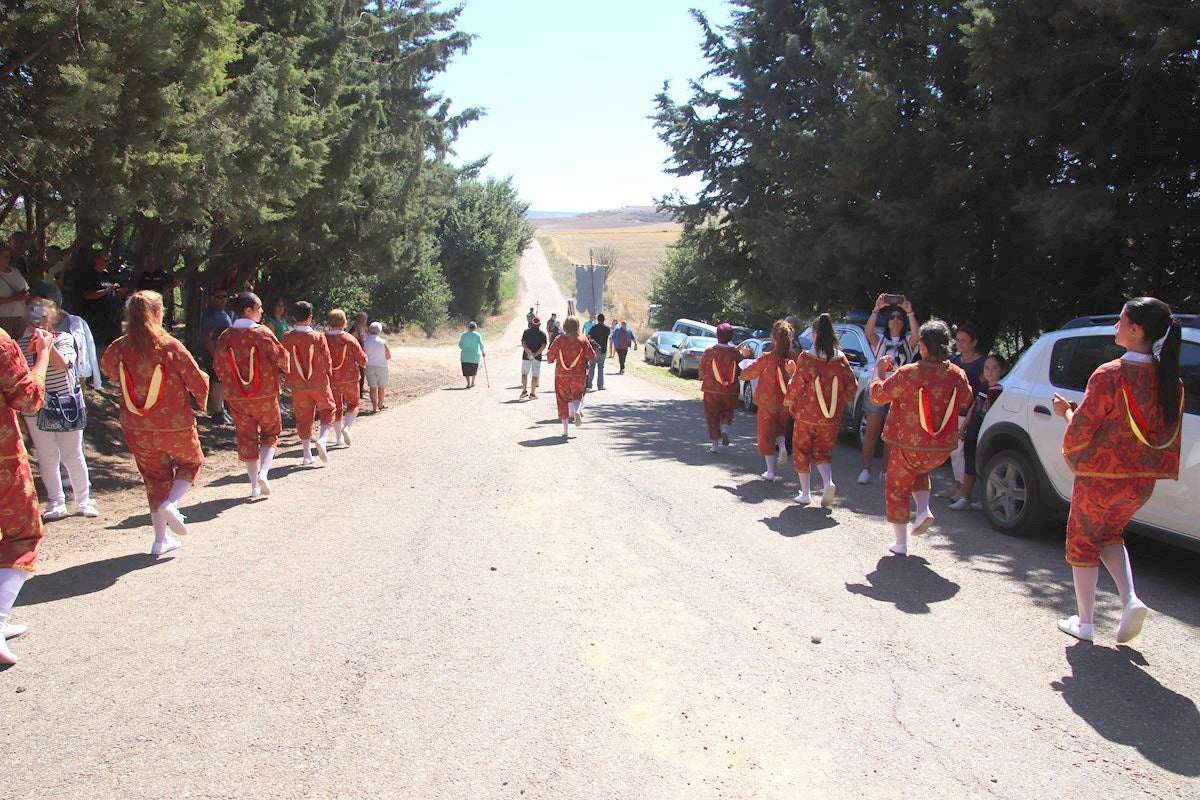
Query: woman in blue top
[470, 346]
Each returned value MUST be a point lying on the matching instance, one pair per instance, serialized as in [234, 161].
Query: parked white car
[1024, 478]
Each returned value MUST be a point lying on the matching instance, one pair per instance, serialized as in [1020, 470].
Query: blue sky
[567, 87]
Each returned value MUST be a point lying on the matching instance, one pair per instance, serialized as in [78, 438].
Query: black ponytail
[825, 341]
[1155, 318]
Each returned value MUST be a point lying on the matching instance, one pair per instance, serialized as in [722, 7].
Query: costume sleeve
[849, 381]
[756, 367]
[797, 384]
[20, 387]
[220, 361]
[1097, 405]
[109, 363]
[280, 356]
[323, 352]
[190, 373]
[552, 351]
[888, 389]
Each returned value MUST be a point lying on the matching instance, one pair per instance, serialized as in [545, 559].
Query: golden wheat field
[638, 249]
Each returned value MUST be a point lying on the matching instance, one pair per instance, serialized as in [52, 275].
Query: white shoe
[828, 494]
[54, 513]
[921, 524]
[864, 477]
[961, 504]
[175, 520]
[578, 417]
[307, 461]
[899, 549]
[713, 448]
[339, 442]
[977, 505]
[264, 486]
[804, 498]
[165, 546]
[1132, 617]
[88, 509]
[7, 656]
[322, 451]
[769, 476]
[1073, 627]
[11, 630]
[255, 494]
[346, 436]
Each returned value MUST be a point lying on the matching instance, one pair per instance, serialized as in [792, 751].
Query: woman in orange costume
[773, 370]
[248, 359]
[922, 427]
[309, 379]
[22, 388]
[818, 393]
[719, 385]
[1121, 440]
[346, 357]
[156, 374]
[571, 354]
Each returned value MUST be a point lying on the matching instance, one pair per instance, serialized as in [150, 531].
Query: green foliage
[689, 285]
[1012, 161]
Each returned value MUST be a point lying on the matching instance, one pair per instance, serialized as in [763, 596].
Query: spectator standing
[587, 325]
[87, 362]
[993, 370]
[533, 346]
[102, 295]
[359, 329]
[157, 376]
[57, 429]
[156, 277]
[276, 320]
[378, 356]
[599, 334]
[23, 389]
[213, 323]
[622, 340]
[553, 328]
[968, 358]
[529, 317]
[14, 291]
[900, 344]
[470, 349]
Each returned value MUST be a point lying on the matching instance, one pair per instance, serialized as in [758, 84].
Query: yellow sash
[925, 422]
[153, 395]
[573, 364]
[296, 358]
[827, 410]
[782, 381]
[342, 363]
[237, 370]
[1130, 413]
[721, 378]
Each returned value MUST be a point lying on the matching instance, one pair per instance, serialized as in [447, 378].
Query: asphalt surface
[464, 605]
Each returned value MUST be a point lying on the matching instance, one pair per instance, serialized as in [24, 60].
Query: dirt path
[464, 605]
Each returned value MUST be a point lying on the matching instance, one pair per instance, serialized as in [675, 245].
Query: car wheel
[1012, 494]
[747, 396]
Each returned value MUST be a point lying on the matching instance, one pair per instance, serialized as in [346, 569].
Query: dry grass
[640, 249]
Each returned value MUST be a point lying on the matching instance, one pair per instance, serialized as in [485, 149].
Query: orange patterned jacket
[820, 389]
[773, 373]
[248, 362]
[1119, 406]
[309, 351]
[926, 399]
[570, 356]
[718, 370]
[20, 391]
[346, 356]
[155, 384]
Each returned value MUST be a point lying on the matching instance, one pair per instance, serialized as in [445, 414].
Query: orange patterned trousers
[345, 397]
[256, 423]
[813, 444]
[771, 425]
[1100, 510]
[307, 403]
[568, 389]
[163, 457]
[20, 517]
[908, 472]
[718, 411]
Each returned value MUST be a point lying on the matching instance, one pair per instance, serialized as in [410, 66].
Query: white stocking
[805, 478]
[348, 420]
[1085, 592]
[770, 463]
[572, 407]
[781, 444]
[921, 496]
[159, 521]
[725, 428]
[566, 427]
[325, 426]
[826, 471]
[337, 429]
[252, 469]
[11, 581]
[265, 456]
[900, 529]
[307, 446]
[1116, 560]
[178, 490]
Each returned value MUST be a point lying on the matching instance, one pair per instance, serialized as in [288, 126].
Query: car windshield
[670, 337]
[701, 342]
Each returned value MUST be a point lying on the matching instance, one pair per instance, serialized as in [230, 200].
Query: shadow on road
[84, 578]
[796, 520]
[907, 583]
[1109, 690]
[548, 441]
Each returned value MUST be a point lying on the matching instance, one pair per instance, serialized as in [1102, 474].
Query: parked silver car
[660, 346]
[686, 359]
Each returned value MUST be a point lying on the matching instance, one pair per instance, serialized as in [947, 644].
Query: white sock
[348, 420]
[900, 529]
[770, 464]
[11, 581]
[805, 481]
[921, 496]
[781, 443]
[566, 427]
[725, 428]
[1116, 560]
[337, 429]
[252, 472]
[826, 472]
[306, 446]
[1085, 592]
[159, 521]
[178, 490]
[325, 426]
[265, 456]
[572, 407]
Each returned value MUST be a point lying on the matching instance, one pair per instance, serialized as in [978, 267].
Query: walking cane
[485, 373]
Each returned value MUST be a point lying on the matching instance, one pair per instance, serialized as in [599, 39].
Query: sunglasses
[896, 316]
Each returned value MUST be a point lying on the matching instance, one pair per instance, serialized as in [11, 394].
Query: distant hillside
[628, 217]
[549, 214]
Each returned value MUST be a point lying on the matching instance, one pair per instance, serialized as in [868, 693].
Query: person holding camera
[57, 428]
[103, 295]
[899, 342]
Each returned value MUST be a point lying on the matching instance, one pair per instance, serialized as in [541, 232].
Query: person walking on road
[308, 380]
[22, 389]
[622, 340]
[599, 334]
[774, 369]
[922, 426]
[379, 354]
[553, 328]
[249, 359]
[571, 355]
[821, 388]
[158, 376]
[533, 346]
[346, 358]
[1121, 440]
[471, 352]
[719, 385]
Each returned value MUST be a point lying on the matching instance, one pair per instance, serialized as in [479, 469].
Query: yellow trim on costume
[342, 363]
[238, 372]
[779, 377]
[719, 377]
[574, 363]
[945, 419]
[153, 394]
[1137, 431]
[312, 347]
[827, 410]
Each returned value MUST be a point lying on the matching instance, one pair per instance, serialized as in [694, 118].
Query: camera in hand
[894, 299]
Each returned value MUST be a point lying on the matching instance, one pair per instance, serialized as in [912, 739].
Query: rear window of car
[1189, 370]
[1074, 359]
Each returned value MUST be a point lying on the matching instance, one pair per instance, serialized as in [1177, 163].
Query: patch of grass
[663, 376]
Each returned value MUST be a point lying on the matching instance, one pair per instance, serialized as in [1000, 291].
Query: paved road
[464, 605]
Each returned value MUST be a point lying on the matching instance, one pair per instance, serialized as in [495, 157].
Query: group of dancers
[158, 379]
[1122, 438]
